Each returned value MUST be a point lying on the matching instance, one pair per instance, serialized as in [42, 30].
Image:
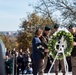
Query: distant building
[9, 33]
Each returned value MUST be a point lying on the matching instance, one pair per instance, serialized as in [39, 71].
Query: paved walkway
[50, 74]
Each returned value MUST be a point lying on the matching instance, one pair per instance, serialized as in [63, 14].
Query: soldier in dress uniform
[45, 39]
[73, 53]
[58, 62]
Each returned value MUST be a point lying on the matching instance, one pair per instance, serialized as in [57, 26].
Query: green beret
[47, 28]
[70, 26]
[56, 26]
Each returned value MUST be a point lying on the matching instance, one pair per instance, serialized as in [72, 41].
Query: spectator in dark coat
[8, 65]
[24, 62]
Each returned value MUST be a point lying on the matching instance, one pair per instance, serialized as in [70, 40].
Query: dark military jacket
[73, 53]
[44, 39]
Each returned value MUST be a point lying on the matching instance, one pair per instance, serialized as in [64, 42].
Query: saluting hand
[74, 43]
[46, 50]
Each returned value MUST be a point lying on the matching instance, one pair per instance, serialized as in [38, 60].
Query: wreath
[53, 47]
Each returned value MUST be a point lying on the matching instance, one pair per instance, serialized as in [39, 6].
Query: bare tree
[67, 9]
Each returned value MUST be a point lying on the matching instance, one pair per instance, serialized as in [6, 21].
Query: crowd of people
[39, 61]
[18, 62]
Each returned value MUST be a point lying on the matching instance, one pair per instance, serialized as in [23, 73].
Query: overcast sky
[11, 11]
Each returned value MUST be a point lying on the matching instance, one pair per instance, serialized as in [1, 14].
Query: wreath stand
[65, 61]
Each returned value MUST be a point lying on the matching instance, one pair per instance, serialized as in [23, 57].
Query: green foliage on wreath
[52, 43]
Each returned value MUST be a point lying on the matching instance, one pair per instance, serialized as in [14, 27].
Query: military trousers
[73, 62]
